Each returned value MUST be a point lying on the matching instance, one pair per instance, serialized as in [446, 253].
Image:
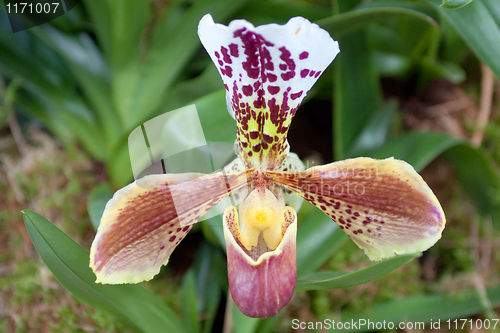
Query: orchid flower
[383, 205]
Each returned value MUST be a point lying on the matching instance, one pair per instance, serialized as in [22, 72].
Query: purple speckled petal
[267, 71]
[140, 226]
[261, 288]
[383, 205]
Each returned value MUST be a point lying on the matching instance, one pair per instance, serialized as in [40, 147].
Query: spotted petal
[383, 205]
[141, 224]
[267, 71]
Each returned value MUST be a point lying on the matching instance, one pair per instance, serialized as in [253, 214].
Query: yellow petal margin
[140, 225]
[383, 205]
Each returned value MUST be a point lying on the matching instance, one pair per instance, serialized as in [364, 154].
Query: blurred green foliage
[93, 75]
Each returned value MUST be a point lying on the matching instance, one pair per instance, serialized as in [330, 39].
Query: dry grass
[54, 182]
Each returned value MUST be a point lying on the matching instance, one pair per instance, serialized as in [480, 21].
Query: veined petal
[383, 205]
[267, 71]
[141, 225]
[261, 286]
[292, 163]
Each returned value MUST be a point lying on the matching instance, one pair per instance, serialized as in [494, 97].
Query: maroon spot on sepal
[273, 90]
[233, 49]
[256, 147]
[225, 55]
[227, 71]
[247, 90]
[296, 95]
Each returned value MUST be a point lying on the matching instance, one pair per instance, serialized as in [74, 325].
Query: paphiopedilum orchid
[383, 205]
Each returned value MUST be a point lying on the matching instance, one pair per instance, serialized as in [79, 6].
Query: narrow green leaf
[454, 4]
[217, 124]
[69, 263]
[357, 90]
[97, 200]
[38, 72]
[437, 308]
[99, 13]
[119, 166]
[375, 131]
[187, 91]
[416, 148]
[475, 171]
[262, 12]
[330, 280]
[189, 311]
[169, 53]
[210, 271]
[45, 79]
[242, 323]
[268, 325]
[213, 231]
[479, 25]
[91, 73]
[318, 238]
[356, 19]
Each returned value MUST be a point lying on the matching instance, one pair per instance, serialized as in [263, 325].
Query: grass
[54, 181]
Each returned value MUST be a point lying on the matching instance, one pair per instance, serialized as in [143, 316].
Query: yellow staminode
[261, 212]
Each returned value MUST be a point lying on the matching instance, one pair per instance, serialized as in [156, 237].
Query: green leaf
[479, 26]
[357, 91]
[119, 166]
[437, 308]
[318, 238]
[475, 171]
[210, 271]
[69, 263]
[416, 148]
[189, 311]
[170, 52]
[263, 11]
[91, 73]
[339, 25]
[242, 323]
[454, 4]
[269, 325]
[216, 122]
[45, 78]
[119, 28]
[375, 131]
[41, 72]
[97, 200]
[331, 280]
